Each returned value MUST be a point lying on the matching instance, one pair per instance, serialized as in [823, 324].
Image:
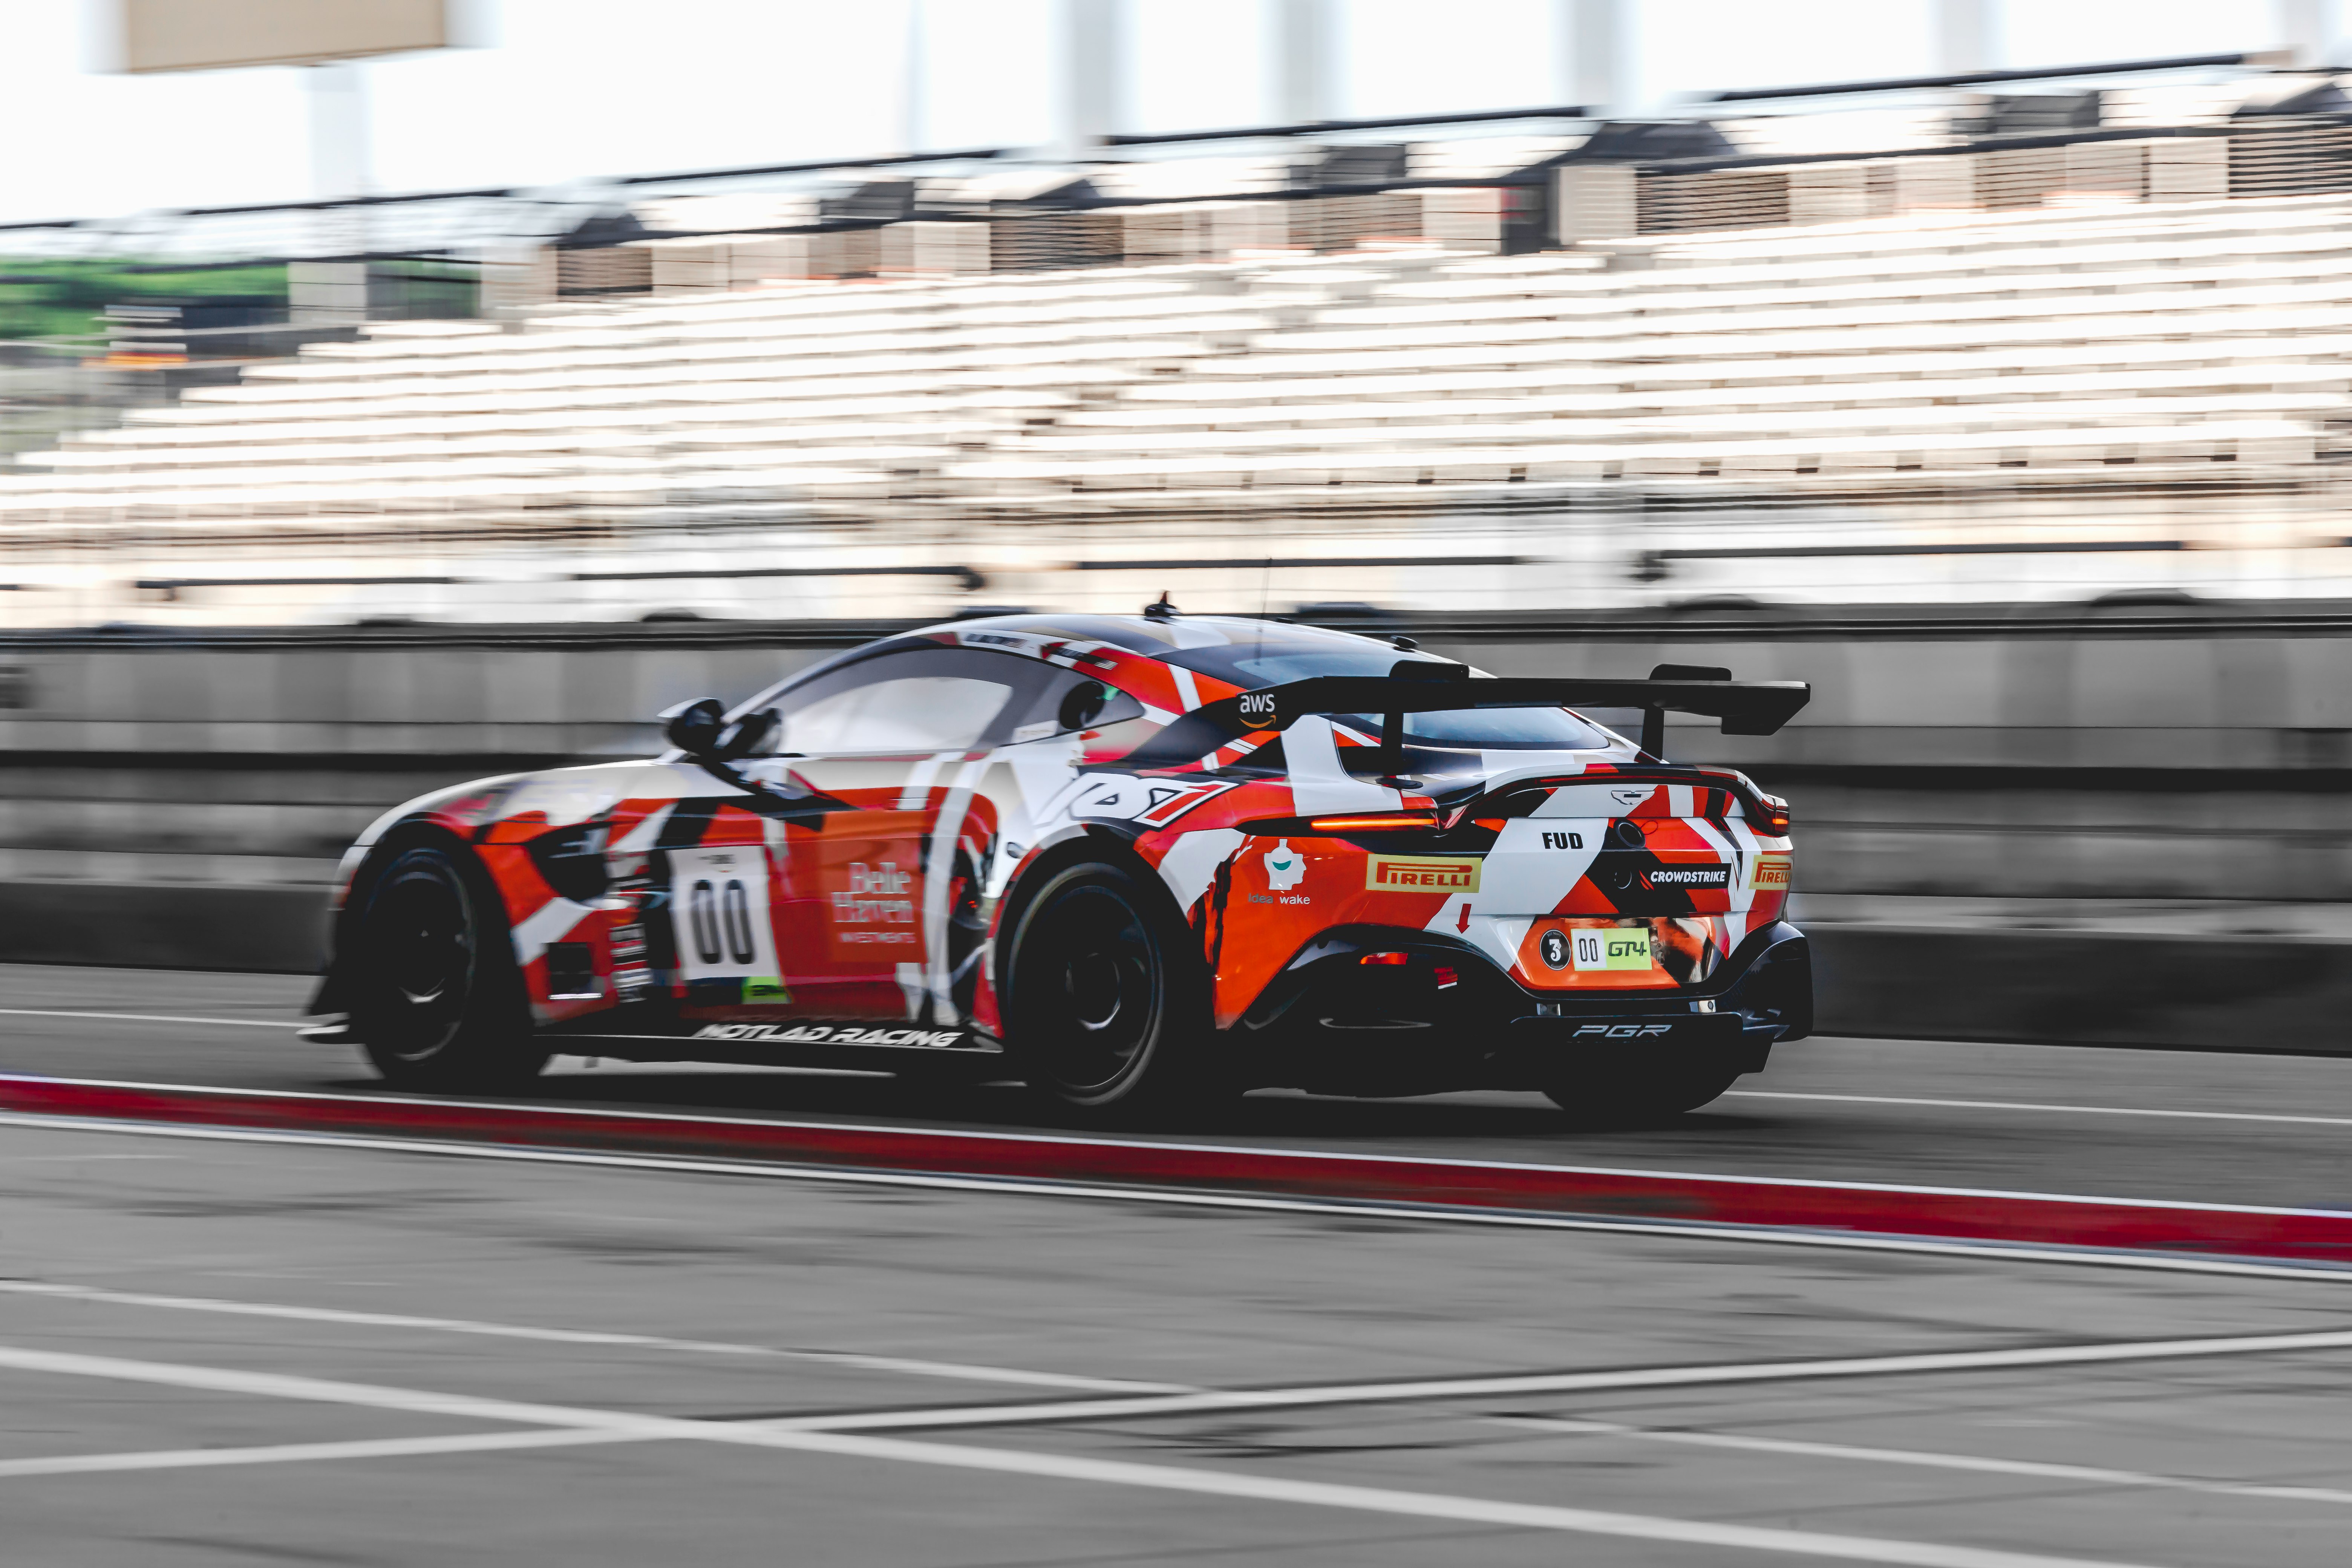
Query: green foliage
[48, 299]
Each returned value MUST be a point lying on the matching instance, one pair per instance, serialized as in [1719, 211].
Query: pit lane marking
[2032, 1105]
[1973, 1462]
[910, 1365]
[574, 1424]
[149, 1018]
[296, 1453]
[1151, 1400]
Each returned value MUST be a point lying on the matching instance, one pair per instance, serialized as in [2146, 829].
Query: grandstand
[2117, 388]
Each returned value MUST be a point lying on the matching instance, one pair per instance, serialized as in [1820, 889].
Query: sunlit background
[458, 396]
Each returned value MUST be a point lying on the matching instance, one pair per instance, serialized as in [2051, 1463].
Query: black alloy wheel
[438, 1003]
[1107, 1008]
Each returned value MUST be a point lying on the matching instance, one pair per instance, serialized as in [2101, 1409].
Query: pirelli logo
[1422, 874]
[1770, 874]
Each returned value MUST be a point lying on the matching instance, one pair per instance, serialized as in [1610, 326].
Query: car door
[871, 887]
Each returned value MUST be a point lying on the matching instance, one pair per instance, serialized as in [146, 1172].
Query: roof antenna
[1160, 609]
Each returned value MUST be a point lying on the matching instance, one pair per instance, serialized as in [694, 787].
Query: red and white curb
[1233, 1175]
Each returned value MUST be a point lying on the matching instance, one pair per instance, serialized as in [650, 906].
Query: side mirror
[694, 728]
[700, 729]
[750, 731]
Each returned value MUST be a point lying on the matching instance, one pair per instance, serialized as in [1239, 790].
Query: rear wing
[1424, 685]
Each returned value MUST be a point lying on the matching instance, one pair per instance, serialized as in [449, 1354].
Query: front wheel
[1641, 1093]
[1106, 1007]
[438, 1004]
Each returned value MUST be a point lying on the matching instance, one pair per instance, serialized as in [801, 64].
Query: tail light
[1384, 958]
[1776, 814]
[1375, 822]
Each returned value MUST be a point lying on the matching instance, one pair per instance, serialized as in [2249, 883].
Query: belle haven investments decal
[1421, 874]
[877, 906]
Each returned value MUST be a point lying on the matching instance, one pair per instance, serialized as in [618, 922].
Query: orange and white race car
[1136, 862]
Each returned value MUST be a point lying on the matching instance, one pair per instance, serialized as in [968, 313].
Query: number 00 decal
[718, 899]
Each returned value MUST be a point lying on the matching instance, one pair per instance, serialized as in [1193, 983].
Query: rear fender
[1069, 847]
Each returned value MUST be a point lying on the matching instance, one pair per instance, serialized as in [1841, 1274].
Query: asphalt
[629, 1339]
[1829, 1108]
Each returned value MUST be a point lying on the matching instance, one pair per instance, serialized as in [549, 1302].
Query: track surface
[1841, 1127]
[448, 1313]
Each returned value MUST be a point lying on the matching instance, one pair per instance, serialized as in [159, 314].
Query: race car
[1138, 863]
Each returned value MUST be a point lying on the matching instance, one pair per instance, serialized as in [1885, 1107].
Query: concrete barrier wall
[2164, 752]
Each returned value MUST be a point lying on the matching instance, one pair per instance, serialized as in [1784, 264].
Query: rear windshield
[1298, 653]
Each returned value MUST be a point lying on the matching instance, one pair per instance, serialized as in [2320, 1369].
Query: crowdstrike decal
[1704, 876]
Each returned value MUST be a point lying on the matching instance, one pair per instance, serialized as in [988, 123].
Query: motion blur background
[396, 392]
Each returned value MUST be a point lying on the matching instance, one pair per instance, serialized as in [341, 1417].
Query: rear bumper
[1331, 1022]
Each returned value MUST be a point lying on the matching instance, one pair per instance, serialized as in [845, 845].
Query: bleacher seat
[1793, 413]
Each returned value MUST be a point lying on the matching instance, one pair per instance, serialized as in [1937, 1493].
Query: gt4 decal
[1620, 947]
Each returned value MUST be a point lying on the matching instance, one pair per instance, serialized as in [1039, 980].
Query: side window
[915, 699]
[1071, 701]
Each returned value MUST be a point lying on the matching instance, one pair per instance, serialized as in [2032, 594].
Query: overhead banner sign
[215, 34]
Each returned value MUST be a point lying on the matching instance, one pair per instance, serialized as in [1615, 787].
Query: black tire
[437, 1003]
[1106, 1004]
[1641, 1093]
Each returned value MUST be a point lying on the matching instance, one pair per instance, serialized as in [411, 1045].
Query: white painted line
[1433, 1214]
[74, 1159]
[1815, 1544]
[2032, 1105]
[1522, 1384]
[147, 1018]
[1801, 1449]
[296, 1453]
[617, 1426]
[1136, 1400]
[910, 1365]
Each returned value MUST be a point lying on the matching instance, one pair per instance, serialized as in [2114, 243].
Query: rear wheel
[1107, 1008]
[1639, 1092]
[438, 1004]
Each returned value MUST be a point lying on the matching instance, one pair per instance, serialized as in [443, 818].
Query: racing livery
[1134, 862]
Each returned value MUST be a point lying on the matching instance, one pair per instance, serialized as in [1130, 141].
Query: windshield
[1300, 653]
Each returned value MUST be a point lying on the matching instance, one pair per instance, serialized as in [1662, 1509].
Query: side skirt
[864, 1043]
